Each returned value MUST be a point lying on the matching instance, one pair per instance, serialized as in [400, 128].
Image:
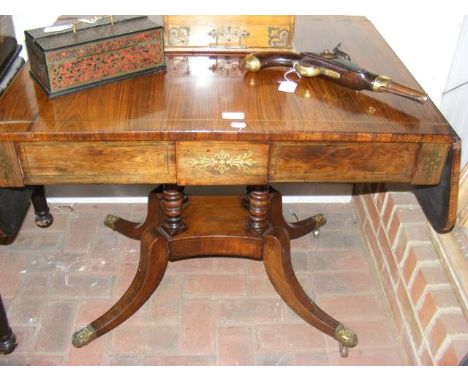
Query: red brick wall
[432, 328]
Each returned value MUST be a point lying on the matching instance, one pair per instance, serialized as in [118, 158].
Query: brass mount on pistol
[334, 65]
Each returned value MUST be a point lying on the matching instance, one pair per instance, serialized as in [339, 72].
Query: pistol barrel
[385, 84]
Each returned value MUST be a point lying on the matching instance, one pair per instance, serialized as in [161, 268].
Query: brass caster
[84, 336]
[110, 221]
[320, 220]
[343, 350]
[346, 339]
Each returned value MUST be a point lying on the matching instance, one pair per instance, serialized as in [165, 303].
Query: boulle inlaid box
[226, 33]
[91, 53]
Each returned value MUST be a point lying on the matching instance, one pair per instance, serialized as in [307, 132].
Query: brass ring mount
[84, 336]
[110, 221]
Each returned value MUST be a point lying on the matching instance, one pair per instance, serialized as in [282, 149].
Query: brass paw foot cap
[320, 220]
[110, 221]
[84, 336]
[346, 336]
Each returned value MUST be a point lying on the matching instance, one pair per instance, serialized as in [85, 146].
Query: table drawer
[218, 163]
[98, 162]
[342, 162]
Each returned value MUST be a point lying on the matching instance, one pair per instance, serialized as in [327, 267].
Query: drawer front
[98, 162]
[218, 163]
[342, 162]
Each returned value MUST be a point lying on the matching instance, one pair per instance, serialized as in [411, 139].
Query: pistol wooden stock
[335, 66]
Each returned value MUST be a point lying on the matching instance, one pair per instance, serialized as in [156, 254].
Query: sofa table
[205, 121]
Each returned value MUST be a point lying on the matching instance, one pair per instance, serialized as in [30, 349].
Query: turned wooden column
[171, 204]
[259, 208]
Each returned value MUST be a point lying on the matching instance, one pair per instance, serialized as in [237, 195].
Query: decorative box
[228, 33]
[94, 51]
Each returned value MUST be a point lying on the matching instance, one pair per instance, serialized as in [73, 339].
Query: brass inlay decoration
[431, 163]
[179, 35]
[346, 336]
[223, 162]
[110, 221]
[84, 336]
[278, 37]
[5, 169]
[228, 35]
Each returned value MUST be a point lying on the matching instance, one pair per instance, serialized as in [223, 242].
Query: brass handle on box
[228, 34]
[90, 21]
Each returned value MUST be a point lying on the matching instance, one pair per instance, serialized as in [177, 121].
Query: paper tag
[239, 125]
[233, 115]
[287, 86]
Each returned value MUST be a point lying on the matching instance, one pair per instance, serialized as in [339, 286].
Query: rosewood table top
[188, 100]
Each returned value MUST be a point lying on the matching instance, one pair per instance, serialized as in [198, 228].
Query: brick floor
[214, 311]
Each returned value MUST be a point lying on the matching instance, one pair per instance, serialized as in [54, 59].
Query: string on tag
[285, 75]
[288, 86]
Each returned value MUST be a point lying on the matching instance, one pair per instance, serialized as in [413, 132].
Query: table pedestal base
[177, 227]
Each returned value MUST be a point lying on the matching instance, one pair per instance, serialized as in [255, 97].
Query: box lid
[102, 28]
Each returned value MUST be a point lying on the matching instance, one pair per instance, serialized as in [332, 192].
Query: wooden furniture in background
[228, 33]
[171, 128]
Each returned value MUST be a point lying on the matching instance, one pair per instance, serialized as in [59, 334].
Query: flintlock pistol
[334, 65]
